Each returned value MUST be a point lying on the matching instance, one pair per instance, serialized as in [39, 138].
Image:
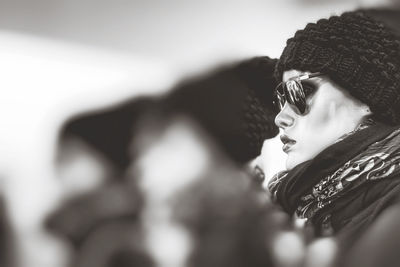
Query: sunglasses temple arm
[312, 75]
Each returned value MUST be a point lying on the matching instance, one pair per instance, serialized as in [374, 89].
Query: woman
[339, 115]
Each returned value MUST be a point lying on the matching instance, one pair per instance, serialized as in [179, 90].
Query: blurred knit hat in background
[234, 105]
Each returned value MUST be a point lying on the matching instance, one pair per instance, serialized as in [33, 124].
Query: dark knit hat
[233, 104]
[359, 53]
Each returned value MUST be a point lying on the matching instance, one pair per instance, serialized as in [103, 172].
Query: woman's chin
[292, 161]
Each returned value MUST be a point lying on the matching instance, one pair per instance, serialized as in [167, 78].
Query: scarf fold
[309, 189]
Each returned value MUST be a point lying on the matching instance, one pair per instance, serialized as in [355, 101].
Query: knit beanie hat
[233, 103]
[359, 53]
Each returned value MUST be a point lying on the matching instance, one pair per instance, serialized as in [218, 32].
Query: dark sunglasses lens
[301, 106]
[308, 87]
[280, 99]
[295, 95]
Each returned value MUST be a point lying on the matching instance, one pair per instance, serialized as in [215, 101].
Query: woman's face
[331, 112]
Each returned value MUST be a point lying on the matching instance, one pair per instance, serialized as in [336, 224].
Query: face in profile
[330, 113]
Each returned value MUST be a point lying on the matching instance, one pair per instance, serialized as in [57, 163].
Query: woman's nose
[285, 117]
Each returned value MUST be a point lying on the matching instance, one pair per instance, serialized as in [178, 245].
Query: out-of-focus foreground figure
[169, 211]
[233, 103]
[137, 169]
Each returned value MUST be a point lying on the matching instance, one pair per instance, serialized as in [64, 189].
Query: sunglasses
[292, 91]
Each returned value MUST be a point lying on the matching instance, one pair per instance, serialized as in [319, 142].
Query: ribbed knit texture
[257, 108]
[360, 54]
[234, 103]
[257, 123]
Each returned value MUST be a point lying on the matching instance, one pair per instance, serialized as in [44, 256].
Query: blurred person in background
[232, 103]
[196, 207]
[339, 117]
[207, 211]
[93, 147]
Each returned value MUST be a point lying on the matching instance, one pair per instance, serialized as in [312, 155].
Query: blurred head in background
[233, 103]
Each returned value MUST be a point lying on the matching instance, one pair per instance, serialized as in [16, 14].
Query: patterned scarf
[370, 153]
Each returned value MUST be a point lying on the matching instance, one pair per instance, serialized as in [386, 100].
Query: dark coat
[370, 234]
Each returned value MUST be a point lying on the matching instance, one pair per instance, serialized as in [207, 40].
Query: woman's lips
[287, 143]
